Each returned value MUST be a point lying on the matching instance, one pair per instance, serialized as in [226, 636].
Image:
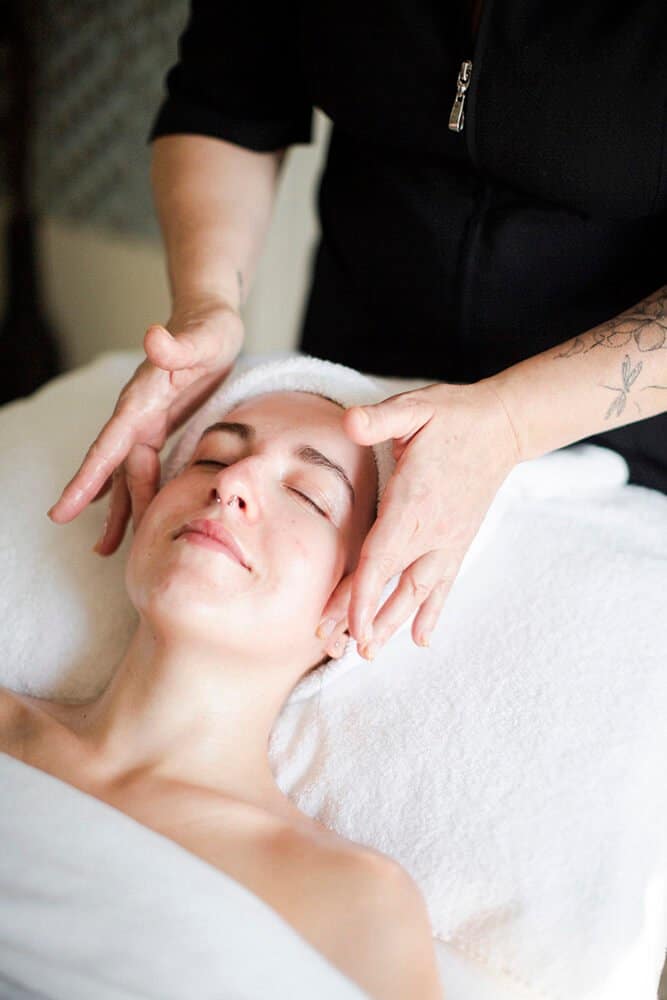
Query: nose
[235, 488]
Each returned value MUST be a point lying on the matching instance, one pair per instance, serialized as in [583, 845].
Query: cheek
[310, 560]
[140, 562]
[149, 535]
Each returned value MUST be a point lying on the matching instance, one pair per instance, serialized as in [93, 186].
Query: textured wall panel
[100, 69]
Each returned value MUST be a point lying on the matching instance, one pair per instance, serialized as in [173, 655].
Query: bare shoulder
[15, 721]
[24, 719]
[368, 917]
[401, 959]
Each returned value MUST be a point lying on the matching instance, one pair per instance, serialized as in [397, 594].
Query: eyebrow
[303, 451]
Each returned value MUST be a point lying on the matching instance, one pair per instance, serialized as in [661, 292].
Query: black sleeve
[238, 76]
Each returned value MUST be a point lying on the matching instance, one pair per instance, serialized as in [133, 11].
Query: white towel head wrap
[304, 373]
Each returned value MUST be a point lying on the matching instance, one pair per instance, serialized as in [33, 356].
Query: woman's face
[293, 517]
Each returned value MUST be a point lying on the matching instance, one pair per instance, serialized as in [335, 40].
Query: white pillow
[515, 768]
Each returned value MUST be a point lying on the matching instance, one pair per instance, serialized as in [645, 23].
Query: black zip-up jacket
[450, 255]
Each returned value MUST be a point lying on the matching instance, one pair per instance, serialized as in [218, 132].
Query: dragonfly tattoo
[628, 376]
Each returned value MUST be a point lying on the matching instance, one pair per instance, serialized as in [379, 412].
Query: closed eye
[223, 465]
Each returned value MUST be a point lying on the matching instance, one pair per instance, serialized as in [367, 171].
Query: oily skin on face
[219, 647]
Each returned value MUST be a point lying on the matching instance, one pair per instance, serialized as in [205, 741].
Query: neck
[187, 713]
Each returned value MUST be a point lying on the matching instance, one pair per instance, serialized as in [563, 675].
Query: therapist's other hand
[454, 446]
[185, 361]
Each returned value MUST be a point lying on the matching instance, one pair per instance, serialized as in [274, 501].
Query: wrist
[530, 394]
[509, 389]
[197, 302]
[225, 287]
[515, 445]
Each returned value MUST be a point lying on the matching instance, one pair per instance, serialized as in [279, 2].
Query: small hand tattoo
[239, 278]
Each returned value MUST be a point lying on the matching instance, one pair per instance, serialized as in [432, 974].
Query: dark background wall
[99, 70]
[98, 79]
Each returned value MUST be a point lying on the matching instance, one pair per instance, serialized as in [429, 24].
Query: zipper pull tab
[463, 82]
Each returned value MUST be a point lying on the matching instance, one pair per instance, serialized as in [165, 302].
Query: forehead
[296, 414]
[288, 406]
[306, 416]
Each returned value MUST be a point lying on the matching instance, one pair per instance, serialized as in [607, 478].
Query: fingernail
[325, 628]
[371, 650]
[425, 639]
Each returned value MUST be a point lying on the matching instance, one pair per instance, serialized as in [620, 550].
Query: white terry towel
[95, 906]
[516, 768]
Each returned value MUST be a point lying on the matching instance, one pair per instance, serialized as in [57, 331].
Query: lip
[215, 530]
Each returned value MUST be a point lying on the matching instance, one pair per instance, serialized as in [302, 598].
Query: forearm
[606, 377]
[214, 201]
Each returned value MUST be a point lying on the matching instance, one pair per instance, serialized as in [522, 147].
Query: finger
[196, 361]
[142, 471]
[335, 610]
[103, 491]
[337, 643]
[413, 589]
[399, 416]
[429, 613]
[119, 512]
[105, 454]
[390, 546]
[372, 575]
[166, 351]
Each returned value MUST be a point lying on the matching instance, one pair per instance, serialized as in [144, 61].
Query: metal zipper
[456, 116]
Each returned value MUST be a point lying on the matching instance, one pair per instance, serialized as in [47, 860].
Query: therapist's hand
[185, 361]
[454, 446]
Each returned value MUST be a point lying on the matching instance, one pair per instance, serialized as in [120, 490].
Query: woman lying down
[258, 518]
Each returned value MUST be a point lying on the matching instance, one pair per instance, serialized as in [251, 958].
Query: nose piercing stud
[218, 498]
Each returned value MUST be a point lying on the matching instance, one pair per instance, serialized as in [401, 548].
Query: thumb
[166, 351]
[397, 417]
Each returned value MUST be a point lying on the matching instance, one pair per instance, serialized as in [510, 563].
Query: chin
[187, 602]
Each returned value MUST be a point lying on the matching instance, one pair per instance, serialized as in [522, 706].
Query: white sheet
[95, 906]
[92, 904]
